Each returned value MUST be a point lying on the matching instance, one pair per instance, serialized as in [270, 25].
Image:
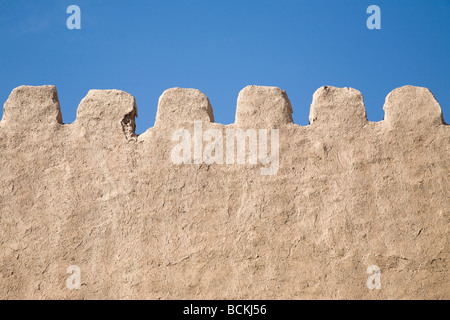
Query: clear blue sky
[146, 46]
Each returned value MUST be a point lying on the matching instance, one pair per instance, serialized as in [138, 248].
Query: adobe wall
[348, 193]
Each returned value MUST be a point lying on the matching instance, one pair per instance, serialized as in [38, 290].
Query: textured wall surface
[348, 194]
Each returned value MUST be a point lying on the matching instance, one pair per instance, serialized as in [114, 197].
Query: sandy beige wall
[348, 194]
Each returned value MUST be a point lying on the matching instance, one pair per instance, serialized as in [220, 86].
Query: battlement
[347, 194]
[110, 112]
